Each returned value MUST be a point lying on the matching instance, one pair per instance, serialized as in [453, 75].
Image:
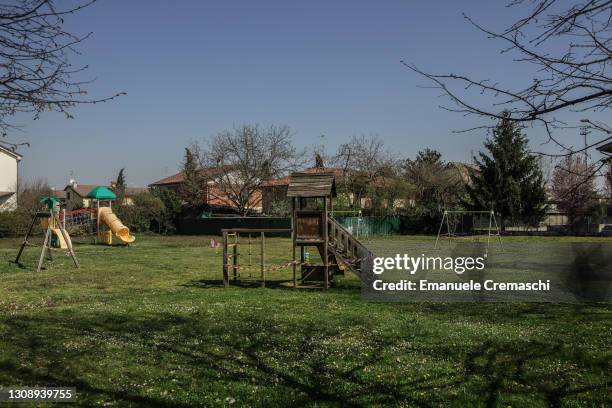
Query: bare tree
[36, 74]
[29, 193]
[570, 47]
[365, 162]
[241, 160]
[573, 187]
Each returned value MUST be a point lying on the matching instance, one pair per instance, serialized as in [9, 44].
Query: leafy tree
[509, 179]
[319, 162]
[433, 186]
[172, 209]
[573, 187]
[144, 215]
[280, 207]
[119, 186]
[191, 191]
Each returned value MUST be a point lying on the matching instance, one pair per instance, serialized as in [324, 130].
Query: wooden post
[44, 248]
[262, 259]
[326, 244]
[25, 239]
[448, 228]
[302, 260]
[68, 243]
[225, 271]
[293, 243]
[49, 248]
[235, 258]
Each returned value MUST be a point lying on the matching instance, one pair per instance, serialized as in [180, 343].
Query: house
[465, 170]
[273, 192]
[213, 196]
[76, 195]
[60, 195]
[606, 149]
[129, 193]
[9, 170]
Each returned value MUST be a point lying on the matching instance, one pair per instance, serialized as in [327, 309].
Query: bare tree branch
[243, 159]
[36, 74]
[569, 46]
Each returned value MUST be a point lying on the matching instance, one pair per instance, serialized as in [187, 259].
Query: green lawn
[151, 326]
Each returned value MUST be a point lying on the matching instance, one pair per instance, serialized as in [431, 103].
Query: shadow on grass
[260, 360]
[286, 284]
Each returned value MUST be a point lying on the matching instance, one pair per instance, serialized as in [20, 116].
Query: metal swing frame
[492, 221]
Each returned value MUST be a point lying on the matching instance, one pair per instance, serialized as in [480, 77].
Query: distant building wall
[8, 202]
[8, 181]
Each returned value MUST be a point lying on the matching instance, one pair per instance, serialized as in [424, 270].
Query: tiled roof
[11, 153]
[312, 184]
[607, 148]
[179, 177]
[284, 181]
[58, 194]
[81, 189]
[84, 189]
[131, 191]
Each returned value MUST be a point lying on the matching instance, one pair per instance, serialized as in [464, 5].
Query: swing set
[460, 225]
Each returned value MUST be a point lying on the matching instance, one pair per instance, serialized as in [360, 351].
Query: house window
[68, 195]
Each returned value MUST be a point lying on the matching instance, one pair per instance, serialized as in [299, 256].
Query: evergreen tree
[509, 179]
[119, 186]
[191, 189]
[171, 210]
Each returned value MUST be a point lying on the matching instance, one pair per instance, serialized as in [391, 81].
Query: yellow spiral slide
[106, 216]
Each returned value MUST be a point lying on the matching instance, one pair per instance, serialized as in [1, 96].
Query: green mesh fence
[370, 226]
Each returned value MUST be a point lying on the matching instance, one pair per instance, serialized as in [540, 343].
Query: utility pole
[584, 131]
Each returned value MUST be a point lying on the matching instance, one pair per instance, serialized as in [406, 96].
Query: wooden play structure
[312, 227]
[55, 236]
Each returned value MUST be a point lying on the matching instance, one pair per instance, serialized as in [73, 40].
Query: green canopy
[50, 201]
[101, 193]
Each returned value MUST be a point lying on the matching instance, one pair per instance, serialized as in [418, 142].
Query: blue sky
[195, 68]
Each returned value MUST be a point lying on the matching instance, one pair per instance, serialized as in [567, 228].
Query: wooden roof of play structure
[312, 185]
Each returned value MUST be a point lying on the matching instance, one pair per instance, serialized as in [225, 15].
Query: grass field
[151, 326]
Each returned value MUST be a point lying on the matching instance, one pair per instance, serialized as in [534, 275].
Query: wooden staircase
[348, 250]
